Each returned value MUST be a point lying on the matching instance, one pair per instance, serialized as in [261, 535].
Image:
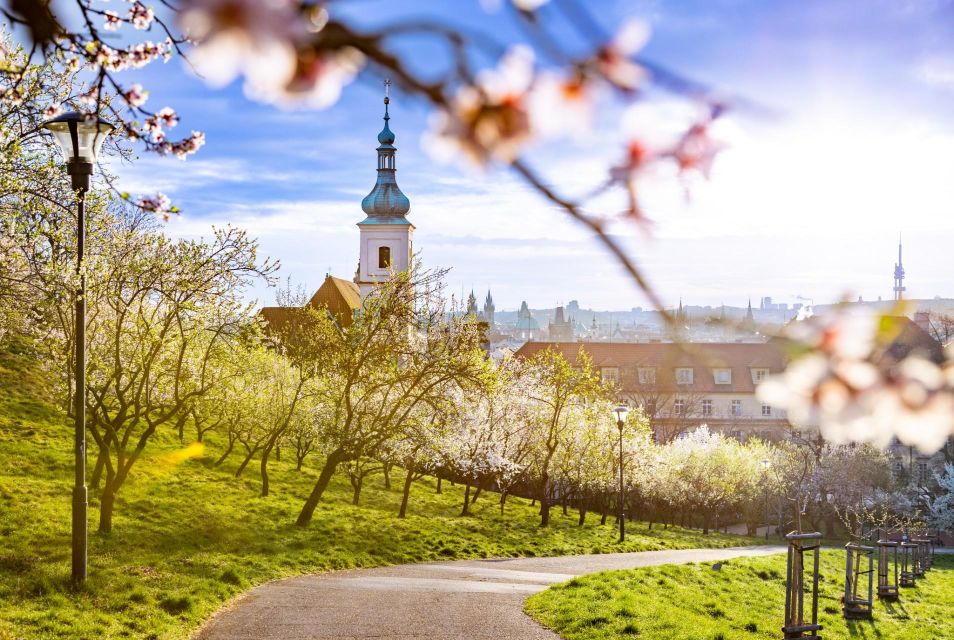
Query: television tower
[898, 275]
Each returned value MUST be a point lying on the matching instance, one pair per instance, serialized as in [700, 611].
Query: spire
[899, 274]
[386, 200]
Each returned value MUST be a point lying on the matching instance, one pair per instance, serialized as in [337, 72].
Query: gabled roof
[336, 292]
[341, 298]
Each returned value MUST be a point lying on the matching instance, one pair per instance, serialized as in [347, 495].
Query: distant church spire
[898, 274]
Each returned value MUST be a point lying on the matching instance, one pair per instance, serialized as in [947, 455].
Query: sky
[843, 139]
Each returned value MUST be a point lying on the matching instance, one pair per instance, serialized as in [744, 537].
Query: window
[609, 374]
[758, 375]
[684, 375]
[707, 407]
[723, 376]
[766, 411]
[736, 407]
[384, 257]
[646, 375]
[679, 407]
[922, 473]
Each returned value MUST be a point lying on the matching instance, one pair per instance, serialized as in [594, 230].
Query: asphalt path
[464, 599]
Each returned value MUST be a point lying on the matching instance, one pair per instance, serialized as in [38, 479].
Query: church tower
[386, 234]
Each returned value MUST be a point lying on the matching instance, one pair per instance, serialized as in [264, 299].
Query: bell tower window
[384, 257]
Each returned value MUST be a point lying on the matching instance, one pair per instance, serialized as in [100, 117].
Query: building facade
[681, 387]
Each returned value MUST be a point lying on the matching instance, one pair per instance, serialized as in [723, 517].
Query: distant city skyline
[807, 199]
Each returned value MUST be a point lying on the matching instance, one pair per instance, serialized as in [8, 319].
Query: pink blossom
[235, 36]
[113, 21]
[160, 204]
[490, 120]
[140, 15]
[167, 117]
[842, 384]
[135, 96]
[615, 60]
[562, 105]
[52, 111]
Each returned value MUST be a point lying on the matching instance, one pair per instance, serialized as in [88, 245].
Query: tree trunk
[705, 524]
[406, 496]
[228, 452]
[308, 509]
[564, 507]
[582, 516]
[438, 484]
[503, 501]
[263, 468]
[106, 503]
[248, 458]
[544, 510]
[605, 513]
[476, 494]
[356, 482]
[387, 475]
[299, 461]
[466, 509]
[98, 470]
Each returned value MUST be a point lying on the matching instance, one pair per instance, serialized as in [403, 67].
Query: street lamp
[79, 137]
[766, 463]
[621, 412]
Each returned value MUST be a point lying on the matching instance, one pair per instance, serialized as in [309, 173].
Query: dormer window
[760, 374]
[684, 375]
[722, 376]
[384, 257]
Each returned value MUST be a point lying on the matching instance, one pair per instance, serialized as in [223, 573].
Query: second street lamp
[765, 467]
[79, 137]
[621, 412]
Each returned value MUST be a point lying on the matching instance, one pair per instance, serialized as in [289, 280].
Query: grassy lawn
[189, 536]
[743, 601]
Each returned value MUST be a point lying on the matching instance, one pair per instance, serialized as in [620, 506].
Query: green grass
[744, 600]
[188, 537]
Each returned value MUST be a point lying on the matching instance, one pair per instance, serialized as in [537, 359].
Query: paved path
[466, 599]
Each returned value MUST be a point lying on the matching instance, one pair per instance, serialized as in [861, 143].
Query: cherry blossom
[52, 111]
[140, 15]
[159, 204]
[167, 117]
[562, 105]
[233, 36]
[490, 120]
[136, 96]
[842, 383]
[615, 60]
[113, 21]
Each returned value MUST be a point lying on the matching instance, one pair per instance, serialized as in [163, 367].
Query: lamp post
[79, 137]
[765, 463]
[621, 412]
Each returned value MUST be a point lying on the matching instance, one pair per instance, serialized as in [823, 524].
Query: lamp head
[621, 412]
[78, 135]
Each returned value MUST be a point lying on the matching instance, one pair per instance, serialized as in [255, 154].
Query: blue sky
[851, 144]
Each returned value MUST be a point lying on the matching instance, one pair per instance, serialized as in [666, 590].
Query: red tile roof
[665, 358]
